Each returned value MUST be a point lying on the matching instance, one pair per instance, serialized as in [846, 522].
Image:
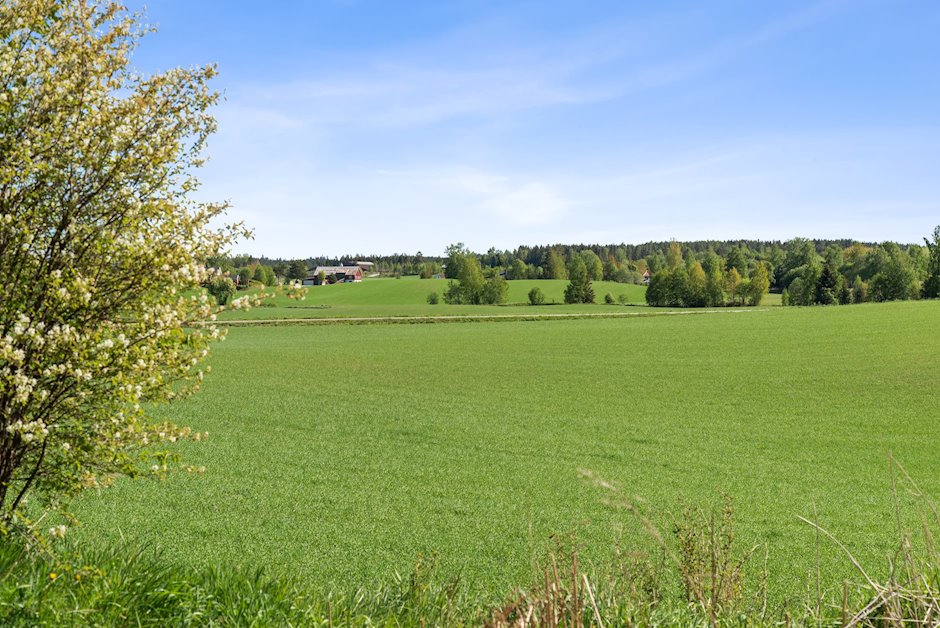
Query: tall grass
[695, 578]
[124, 585]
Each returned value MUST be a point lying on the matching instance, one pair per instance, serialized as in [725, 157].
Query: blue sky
[380, 126]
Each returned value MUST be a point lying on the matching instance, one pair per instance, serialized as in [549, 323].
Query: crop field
[408, 297]
[341, 454]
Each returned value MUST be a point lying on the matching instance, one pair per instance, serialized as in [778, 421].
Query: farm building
[334, 274]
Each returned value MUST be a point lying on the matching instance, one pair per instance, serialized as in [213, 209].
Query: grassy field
[341, 454]
[408, 297]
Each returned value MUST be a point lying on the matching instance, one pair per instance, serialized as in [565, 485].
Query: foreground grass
[125, 586]
[339, 455]
[697, 582]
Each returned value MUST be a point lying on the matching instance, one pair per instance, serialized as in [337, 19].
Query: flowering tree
[99, 241]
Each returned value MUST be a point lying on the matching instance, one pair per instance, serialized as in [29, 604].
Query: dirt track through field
[470, 318]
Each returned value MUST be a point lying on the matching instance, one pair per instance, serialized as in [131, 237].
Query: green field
[342, 453]
[407, 296]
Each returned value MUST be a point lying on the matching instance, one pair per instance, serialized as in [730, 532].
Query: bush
[536, 296]
[222, 288]
[623, 299]
[609, 299]
[433, 298]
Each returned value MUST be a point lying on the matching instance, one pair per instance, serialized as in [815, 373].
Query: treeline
[860, 273]
[625, 263]
[839, 273]
[807, 271]
[244, 269]
[394, 265]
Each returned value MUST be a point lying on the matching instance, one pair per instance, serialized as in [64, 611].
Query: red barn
[334, 274]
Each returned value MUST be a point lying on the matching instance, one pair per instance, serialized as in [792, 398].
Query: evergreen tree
[846, 296]
[932, 283]
[297, 270]
[826, 293]
[579, 288]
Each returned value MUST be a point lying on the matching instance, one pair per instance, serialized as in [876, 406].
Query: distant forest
[806, 271]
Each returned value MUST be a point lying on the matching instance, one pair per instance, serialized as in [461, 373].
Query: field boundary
[473, 318]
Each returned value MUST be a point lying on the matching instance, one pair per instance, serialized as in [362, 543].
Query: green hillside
[407, 296]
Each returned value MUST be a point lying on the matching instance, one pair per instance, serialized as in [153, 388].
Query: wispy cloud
[496, 135]
[465, 75]
[519, 201]
[838, 185]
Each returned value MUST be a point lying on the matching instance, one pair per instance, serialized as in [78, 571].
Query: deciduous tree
[674, 255]
[555, 266]
[760, 284]
[595, 268]
[897, 280]
[99, 239]
[697, 286]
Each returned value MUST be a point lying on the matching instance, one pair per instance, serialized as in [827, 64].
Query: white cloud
[518, 200]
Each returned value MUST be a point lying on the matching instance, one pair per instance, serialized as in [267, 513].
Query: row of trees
[554, 264]
[709, 282]
[858, 274]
